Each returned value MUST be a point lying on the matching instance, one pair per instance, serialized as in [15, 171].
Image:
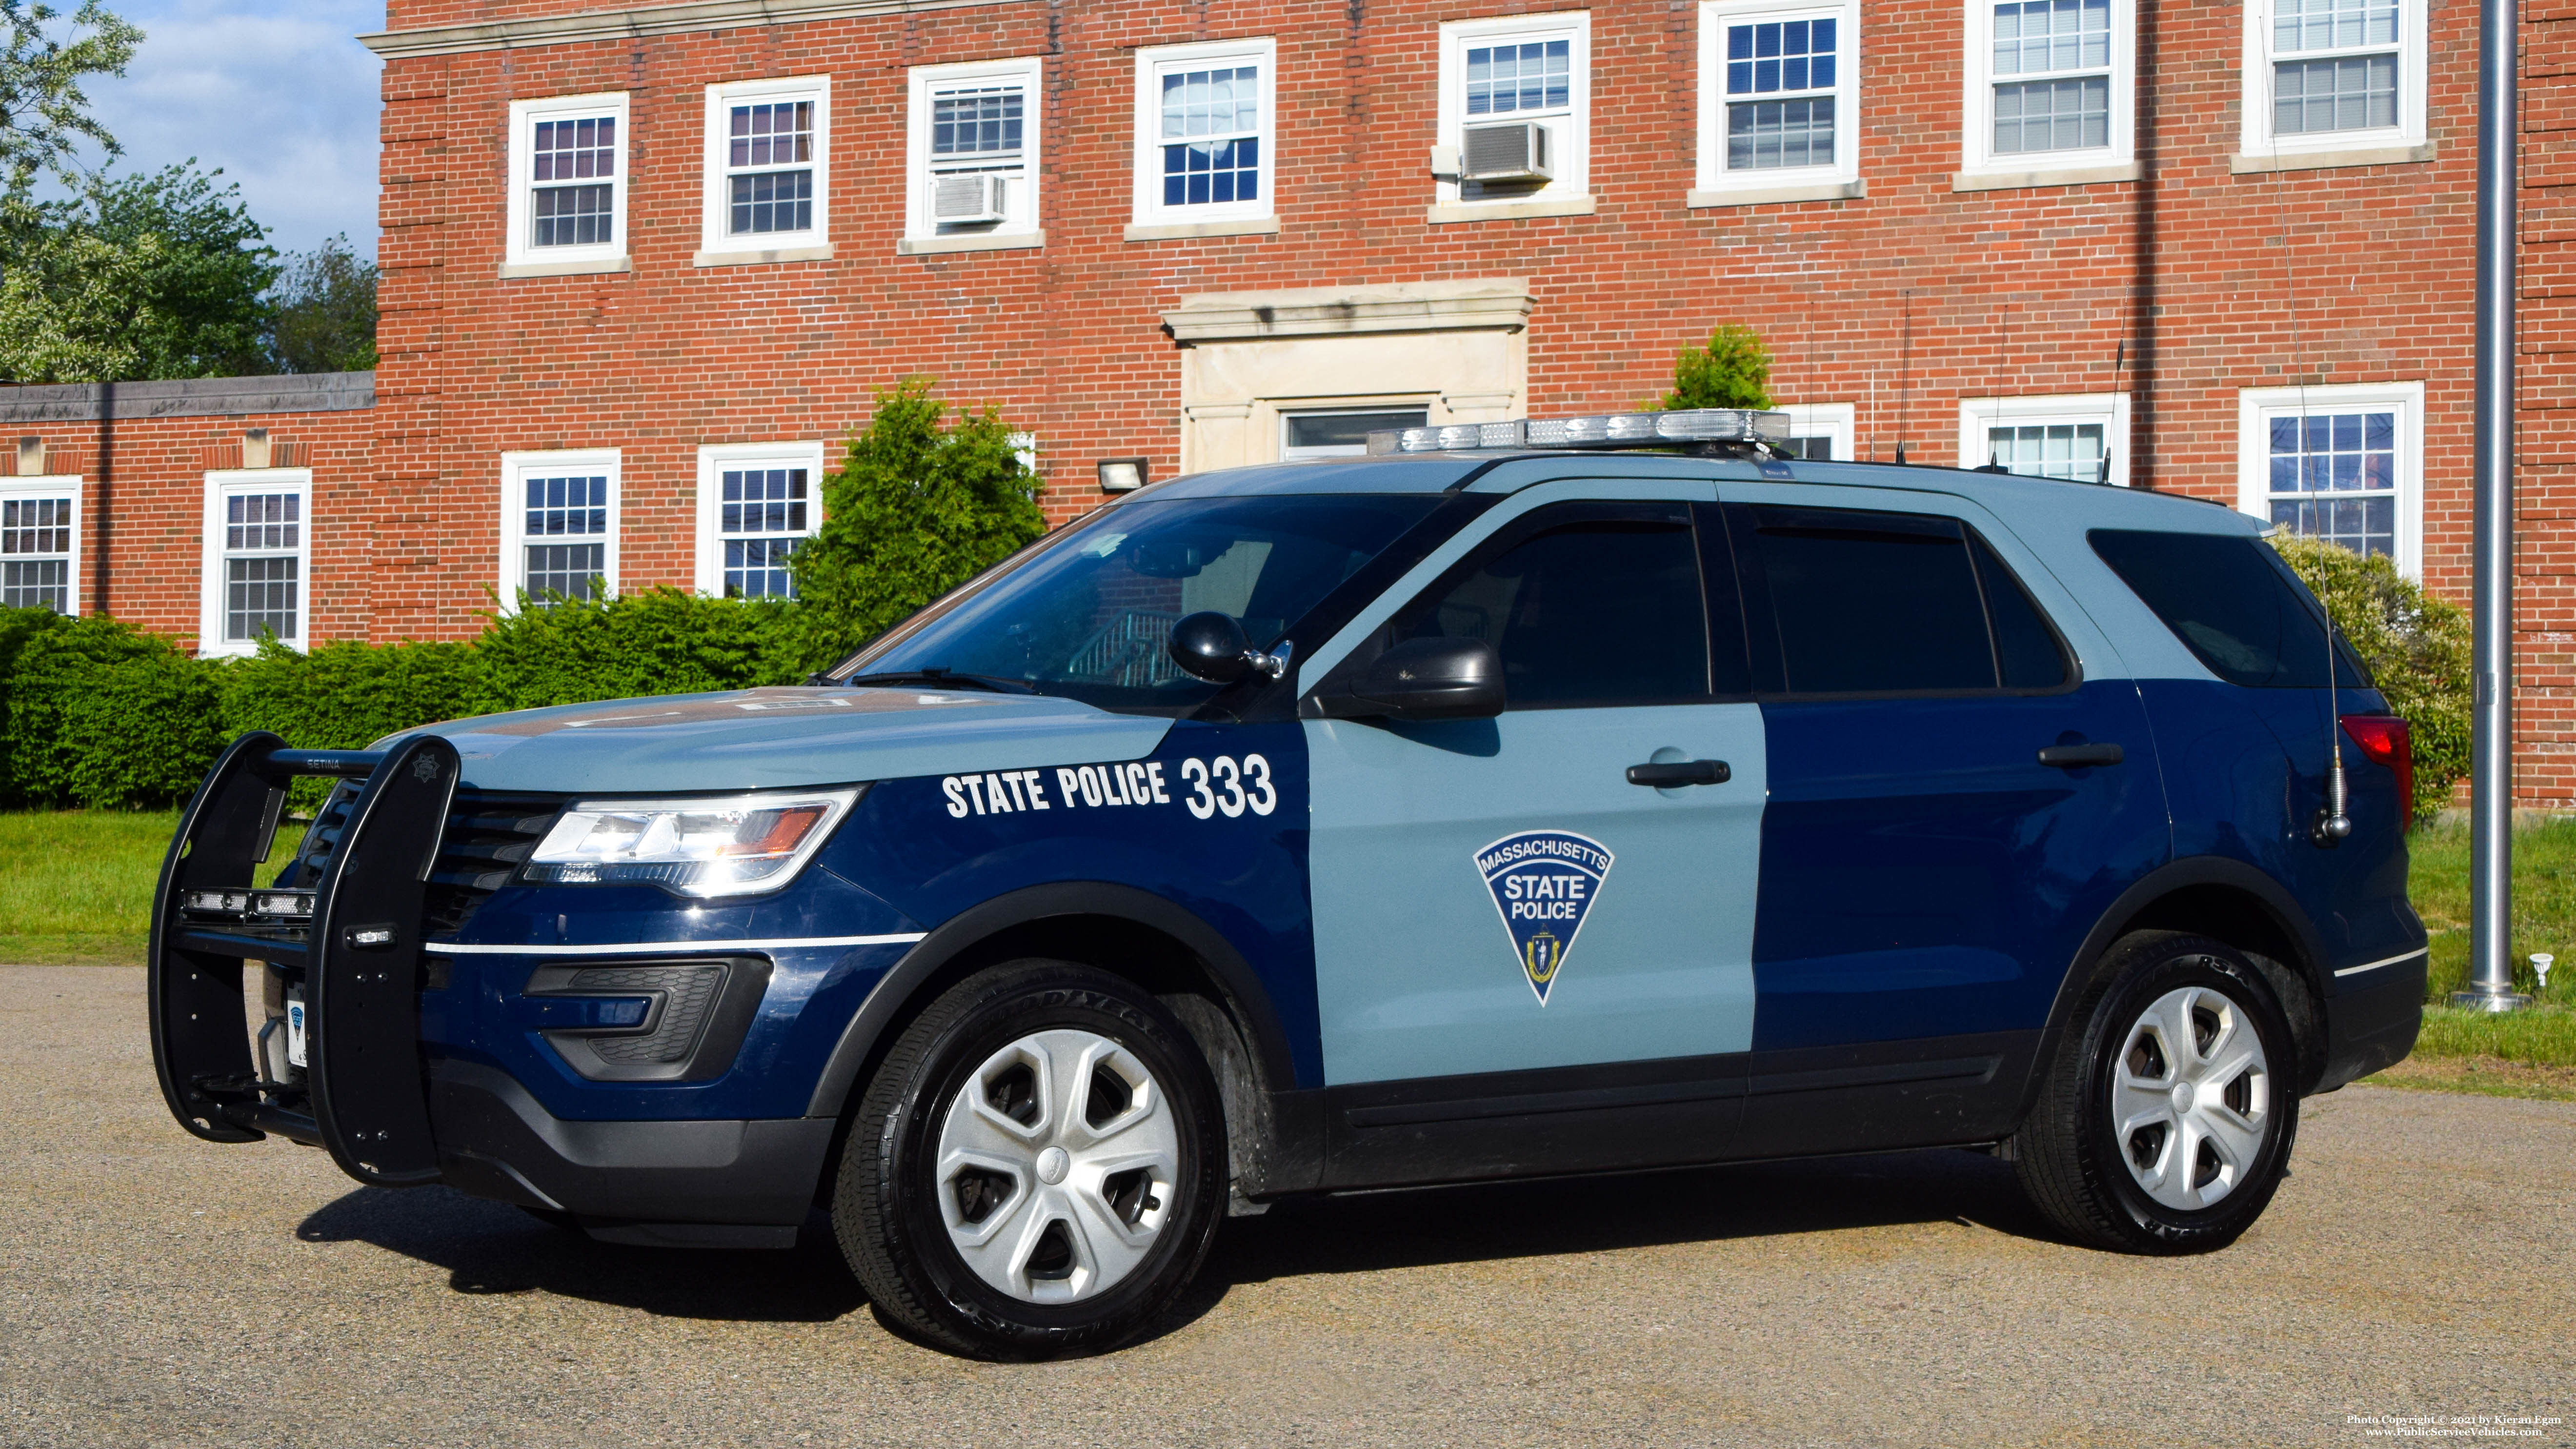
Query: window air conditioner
[1517, 152]
[955, 199]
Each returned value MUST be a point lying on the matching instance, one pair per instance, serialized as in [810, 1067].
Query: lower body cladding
[2373, 1017]
[703, 1184]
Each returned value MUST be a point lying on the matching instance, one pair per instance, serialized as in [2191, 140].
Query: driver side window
[1588, 604]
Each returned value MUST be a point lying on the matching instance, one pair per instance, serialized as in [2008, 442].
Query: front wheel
[1036, 1168]
[2167, 1116]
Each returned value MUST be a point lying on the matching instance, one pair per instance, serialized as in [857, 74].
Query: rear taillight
[2384, 738]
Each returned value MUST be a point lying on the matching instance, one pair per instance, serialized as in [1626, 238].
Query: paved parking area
[155, 1290]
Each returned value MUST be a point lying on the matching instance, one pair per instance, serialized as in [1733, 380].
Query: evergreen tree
[1733, 371]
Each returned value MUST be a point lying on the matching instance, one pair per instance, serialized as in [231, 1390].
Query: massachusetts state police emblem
[1544, 883]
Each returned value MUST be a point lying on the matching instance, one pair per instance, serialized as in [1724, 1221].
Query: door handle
[2076, 757]
[1681, 772]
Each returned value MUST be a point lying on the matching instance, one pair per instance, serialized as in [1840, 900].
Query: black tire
[888, 1210]
[2071, 1155]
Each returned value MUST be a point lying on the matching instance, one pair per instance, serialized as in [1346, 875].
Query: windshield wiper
[942, 679]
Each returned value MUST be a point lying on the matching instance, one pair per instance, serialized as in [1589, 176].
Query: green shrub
[919, 506]
[17, 626]
[661, 641]
[1733, 371]
[2416, 646]
[104, 715]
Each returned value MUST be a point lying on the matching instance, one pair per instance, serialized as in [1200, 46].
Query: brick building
[644, 265]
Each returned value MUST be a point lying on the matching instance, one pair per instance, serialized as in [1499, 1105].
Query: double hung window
[2076, 439]
[2049, 85]
[567, 203]
[1515, 102]
[756, 504]
[2339, 463]
[39, 542]
[766, 167]
[1779, 90]
[1204, 130]
[974, 153]
[2324, 76]
[558, 527]
[258, 556]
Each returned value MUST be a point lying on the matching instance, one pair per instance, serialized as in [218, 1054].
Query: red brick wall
[2007, 292]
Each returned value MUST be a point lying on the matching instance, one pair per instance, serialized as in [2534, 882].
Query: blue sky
[275, 93]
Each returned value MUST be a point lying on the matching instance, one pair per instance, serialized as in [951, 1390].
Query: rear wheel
[2167, 1117]
[1036, 1168]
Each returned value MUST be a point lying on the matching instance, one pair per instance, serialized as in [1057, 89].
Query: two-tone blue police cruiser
[1540, 797]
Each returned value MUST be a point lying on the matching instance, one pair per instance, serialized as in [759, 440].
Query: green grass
[76, 885]
[2544, 904]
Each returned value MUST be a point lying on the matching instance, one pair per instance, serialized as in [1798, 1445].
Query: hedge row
[102, 714]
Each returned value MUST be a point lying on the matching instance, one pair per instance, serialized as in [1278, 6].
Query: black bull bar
[364, 1096]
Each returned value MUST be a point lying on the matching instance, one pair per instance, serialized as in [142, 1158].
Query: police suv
[1538, 797]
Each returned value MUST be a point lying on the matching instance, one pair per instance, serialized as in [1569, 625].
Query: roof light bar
[1592, 430]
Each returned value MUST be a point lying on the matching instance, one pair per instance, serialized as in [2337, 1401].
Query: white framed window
[1779, 95]
[1205, 131]
[1822, 431]
[558, 525]
[756, 503]
[2343, 463]
[1515, 111]
[258, 559]
[40, 543]
[1341, 432]
[567, 202]
[768, 148]
[2081, 438]
[973, 155]
[2332, 75]
[2049, 86]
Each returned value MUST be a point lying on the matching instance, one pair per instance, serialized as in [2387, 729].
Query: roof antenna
[2119, 357]
[2334, 821]
[1905, 378]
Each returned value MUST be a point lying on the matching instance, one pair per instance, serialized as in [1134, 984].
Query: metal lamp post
[2491, 720]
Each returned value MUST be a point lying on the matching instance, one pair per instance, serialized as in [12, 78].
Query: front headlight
[735, 845]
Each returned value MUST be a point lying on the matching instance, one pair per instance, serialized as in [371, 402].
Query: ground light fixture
[1679, 427]
[1121, 475]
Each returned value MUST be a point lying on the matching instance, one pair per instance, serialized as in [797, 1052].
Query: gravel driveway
[157, 1290]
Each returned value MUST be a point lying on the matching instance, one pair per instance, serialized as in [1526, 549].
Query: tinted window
[1604, 610]
[2024, 644]
[1872, 602]
[1090, 614]
[2231, 601]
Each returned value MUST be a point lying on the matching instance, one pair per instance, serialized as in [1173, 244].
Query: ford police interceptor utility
[1539, 797]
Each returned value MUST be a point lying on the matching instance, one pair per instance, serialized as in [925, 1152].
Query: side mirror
[1210, 645]
[1426, 679]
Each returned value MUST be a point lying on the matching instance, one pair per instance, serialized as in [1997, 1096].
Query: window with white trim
[258, 558]
[2342, 463]
[1204, 131]
[567, 201]
[767, 165]
[2080, 438]
[2332, 75]
[1516, 103]
[558, 526]
[2050, 84]
[974, 149]
[39, 543]
[1821, 431]
[756, 504]
[1779, 95]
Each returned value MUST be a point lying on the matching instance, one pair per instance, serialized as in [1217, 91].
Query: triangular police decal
[1544, 883]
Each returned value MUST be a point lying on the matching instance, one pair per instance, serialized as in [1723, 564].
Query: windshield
[1089, 614]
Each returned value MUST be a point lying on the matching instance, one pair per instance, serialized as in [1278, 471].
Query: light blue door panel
[1417, 974]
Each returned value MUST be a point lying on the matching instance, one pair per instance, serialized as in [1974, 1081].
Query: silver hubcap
[2191, 1100]
[1056, 1166]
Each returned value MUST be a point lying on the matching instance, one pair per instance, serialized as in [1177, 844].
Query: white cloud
[282, 97]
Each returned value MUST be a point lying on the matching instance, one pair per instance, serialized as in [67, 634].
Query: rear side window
[2231, 601]
[1598, 605]
[1891, 603]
